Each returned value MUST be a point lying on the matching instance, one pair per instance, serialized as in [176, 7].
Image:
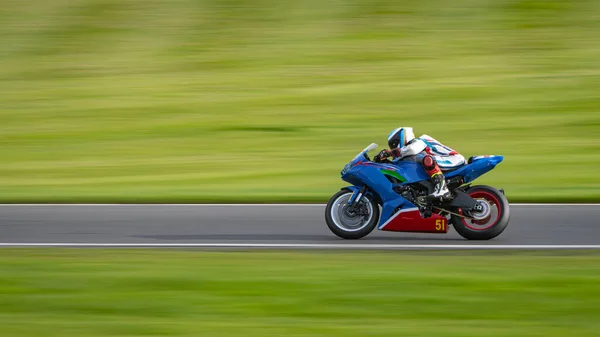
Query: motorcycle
[391, 196]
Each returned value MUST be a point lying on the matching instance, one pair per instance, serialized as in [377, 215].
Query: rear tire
[490, 226]
[340, 221]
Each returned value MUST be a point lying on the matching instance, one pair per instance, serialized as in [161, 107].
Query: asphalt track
[283, 226]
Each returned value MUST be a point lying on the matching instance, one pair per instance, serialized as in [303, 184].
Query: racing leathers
[435, 157]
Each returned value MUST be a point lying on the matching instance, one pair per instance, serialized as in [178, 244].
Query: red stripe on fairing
[390, 220]
[453, 153]
[410, 220]
[367, 163]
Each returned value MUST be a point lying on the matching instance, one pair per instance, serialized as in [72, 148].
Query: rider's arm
[413, 148]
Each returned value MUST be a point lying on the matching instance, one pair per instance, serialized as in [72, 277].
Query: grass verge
[93, 292]
[230, 100]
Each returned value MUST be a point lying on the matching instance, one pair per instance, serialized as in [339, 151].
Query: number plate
[346, 168]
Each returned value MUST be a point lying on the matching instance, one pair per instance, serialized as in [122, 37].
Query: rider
[433, 155]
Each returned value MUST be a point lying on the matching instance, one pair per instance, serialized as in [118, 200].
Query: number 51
[440, 225]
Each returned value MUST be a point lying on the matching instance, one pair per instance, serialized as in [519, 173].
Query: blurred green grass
[166, 293]
[266, 100]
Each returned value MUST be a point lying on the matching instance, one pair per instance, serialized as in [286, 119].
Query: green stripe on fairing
[394, 174]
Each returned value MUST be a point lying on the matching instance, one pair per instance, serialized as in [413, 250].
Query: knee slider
[428, 162]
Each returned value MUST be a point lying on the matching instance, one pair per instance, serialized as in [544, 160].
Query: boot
[440, 190]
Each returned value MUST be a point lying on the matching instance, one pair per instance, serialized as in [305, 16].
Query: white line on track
[245, 205]
[191, 205]
[302, 246]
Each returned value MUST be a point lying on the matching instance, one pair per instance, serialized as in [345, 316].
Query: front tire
[489, 225]
[348, 225]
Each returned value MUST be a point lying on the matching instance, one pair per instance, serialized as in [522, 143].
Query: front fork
[356, 197]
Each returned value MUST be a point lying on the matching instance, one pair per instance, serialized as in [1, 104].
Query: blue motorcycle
[392, 197]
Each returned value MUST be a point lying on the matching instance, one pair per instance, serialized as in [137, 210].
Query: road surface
[255, 225]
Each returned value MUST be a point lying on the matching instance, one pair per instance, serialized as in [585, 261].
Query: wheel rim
[491, 205]
[347, 221]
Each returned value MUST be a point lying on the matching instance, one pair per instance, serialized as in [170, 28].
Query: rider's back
[436, 148]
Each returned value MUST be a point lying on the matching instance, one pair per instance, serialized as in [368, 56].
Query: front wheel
[488, 223]
[347, 223]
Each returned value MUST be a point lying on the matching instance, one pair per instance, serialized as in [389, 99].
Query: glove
[382, 155]
[385, 153]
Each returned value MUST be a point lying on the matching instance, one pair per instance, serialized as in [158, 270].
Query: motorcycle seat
[450, 169]
[470, 160]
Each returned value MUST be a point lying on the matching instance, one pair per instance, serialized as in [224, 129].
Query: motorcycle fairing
[361, 172]
[478, 166]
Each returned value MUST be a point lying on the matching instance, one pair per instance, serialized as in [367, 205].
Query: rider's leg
[432, 168]
[449, 162]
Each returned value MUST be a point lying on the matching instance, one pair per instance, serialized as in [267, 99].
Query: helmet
[400, 137]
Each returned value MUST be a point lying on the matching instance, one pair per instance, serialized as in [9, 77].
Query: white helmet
[400, 137]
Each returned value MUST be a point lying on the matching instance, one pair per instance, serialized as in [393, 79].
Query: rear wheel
[351, 223]
[490, 220]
